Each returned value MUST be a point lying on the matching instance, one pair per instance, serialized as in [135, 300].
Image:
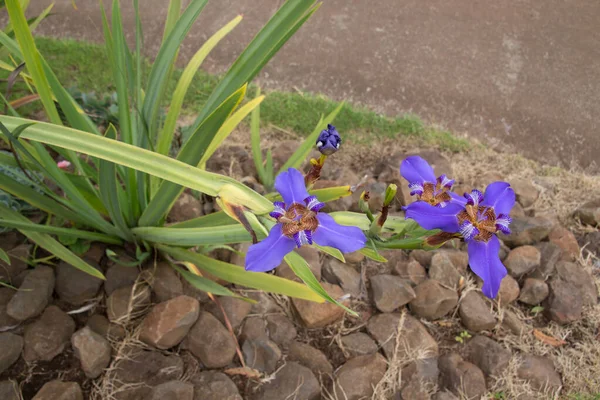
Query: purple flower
[299, 222]
[423, 183]
[477, 219]
[329, 140]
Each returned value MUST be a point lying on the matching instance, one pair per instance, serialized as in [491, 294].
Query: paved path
[518, 73]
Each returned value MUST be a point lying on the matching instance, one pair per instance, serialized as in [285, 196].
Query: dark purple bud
[329, 140]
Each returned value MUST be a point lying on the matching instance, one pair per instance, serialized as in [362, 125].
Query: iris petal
[486, 264]
[500, 196]
[290, 184]
[268, 254]
[416, 170]
[431, 217]
[344, 238]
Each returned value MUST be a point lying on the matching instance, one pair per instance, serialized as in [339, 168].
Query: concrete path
[521, 74]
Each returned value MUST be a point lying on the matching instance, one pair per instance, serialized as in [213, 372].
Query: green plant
[464, 335]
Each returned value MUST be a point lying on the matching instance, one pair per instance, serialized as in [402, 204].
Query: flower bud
[329, 140]
[390, 194]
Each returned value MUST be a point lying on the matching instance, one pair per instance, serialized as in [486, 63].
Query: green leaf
[172, 16]
[190, 237]
[4, 257]
[332, 251]
[302, 271]
[215, 219]
[234, 274]
[371, 253]
[204, 284]
[302, 152]
[51, 245]
[62, 232]
[255, 141]
[326, 195]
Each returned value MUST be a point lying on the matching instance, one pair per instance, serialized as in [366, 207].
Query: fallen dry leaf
[548, 339]
[244, 371]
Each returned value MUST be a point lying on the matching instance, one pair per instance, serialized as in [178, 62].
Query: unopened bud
[390, 194]
[329, 140]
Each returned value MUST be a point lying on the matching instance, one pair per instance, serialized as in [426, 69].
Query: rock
[186, 207]
[444, 396]
[319, 315]
[169, 322]
[119, 276]
[9, 390]
[527, 193]
[355, 257]
[455, 262]
[443, 271]
[261, 354]
[211, 342]
[590, 243]
[390, 292]
[534, 291]
[343, 275]
[33, 295]
[149, 367]
[490, 356]
[522, 260]
[511, 322]
[92, 350]
[254, 328]
[311, 255]
[357, 378]
[281, 330]
[550, 255]
[173, 390]
[475, 313]
[432, 300]
[527, 231]
[310, 357]
[518, 211]
[358, 344]
[581, 279]
[411, 271]
[75, 286]
[102, 326]
[293, 381]
[235, 309]
[264, 304]
[461, 377]
[212, 385]
[57, 390]
[11, 346]
[97, 254]
[589, 213]
[47, 337]
[414, 336]
[166, 284]
[509, 291]
[423, 257]
[565, 239]
[17, 265]
[419, 377]
[539, 372]
[564, 304]
[6, 321]
[127, 302]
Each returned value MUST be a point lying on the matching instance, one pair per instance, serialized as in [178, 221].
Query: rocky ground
[424, 330]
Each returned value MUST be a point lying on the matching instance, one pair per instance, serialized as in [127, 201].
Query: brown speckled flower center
[298, 218]
[483, 218]
[435, 194]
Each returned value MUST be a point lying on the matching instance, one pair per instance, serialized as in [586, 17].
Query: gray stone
[581, 279]
[186, 207]
[357, 378]
[9, 390]
[550, 255]
[444, 396]
[413, 335]
[18, 264]
[149, 367]
[75, 286]
[358, 344]
[11, 346]
[261, 354]
[475, 313]
[423, 257]
[527, 231]
[212, 385]
[564, 304]
[419, 378]
[235, 309]
[47, 337]
[92, 350]
[512, 322]
[539, 372]
[291, 381]
[166, 284]
[444, 271]
[527, 193]
[319, 315]
[590, 242]
[57, 390]
[211, 342]
[589, 213]
[169, 322]
[390, 292]
[254, 328]
[343, 275]
[566, 241]
[432, 300]
[281, 330]
[127, 302]
[6, 321]
[102, 326]
[522, 260]
[119, 276]
[411, 271]
[173, 390]
[461, 377]
[310, 357]
[311, 255]
[534, 291]
[490, 356]
[33, 295]
[509, 291]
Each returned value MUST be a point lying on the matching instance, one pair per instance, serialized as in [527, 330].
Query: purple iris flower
[329, 140]
[477, 219]
[423, 183]
[299, 222]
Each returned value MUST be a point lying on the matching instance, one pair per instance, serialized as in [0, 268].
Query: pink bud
[64, 164]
